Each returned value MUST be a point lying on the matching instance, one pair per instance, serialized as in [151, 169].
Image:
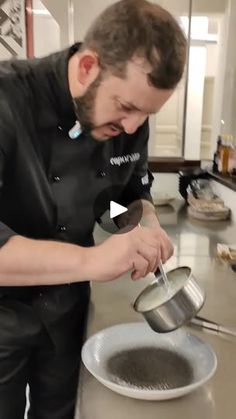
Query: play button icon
[116, 209]
[107, 210]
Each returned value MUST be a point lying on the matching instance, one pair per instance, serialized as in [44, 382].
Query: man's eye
[125, 108]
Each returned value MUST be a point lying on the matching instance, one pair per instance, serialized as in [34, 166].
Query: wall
[62, 11]
[197, 68]
[212, 53]
[166, 127]
[46, 31]
[219, 90]
[48, 40]
[85, 12]
[199, 6]
[229, 94]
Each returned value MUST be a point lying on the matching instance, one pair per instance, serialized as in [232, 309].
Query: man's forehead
[139, 65]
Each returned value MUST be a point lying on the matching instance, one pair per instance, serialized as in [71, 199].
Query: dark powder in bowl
[149, 368]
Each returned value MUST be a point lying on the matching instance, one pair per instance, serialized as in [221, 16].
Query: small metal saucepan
[167, 309]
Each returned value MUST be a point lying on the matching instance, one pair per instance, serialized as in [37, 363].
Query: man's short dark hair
[138, 28]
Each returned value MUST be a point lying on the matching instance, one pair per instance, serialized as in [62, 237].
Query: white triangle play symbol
[116, 209]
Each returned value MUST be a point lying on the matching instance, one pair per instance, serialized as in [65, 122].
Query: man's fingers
[151, 250]
[140, 265]
[166, 251]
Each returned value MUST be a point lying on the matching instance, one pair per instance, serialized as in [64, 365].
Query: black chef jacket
[49, 182]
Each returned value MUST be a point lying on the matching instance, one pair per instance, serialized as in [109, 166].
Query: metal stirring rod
[163, 272]
[164, 276]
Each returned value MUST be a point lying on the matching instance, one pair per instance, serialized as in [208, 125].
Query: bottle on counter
[231, 158]
[224, 155]
[234, 159]
[233, 172]
[217, 154]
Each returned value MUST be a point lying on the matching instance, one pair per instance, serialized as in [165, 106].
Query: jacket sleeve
[140, 182]
[6, 138]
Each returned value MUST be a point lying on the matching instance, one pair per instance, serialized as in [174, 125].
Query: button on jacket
[48, 181]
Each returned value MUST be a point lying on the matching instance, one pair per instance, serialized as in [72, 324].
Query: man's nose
[131, 123]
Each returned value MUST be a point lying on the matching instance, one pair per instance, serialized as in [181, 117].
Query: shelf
[224, 180]
[171, 164]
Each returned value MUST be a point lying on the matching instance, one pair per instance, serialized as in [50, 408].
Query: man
[130, 62]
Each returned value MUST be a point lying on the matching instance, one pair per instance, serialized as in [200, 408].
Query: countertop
[195, 246]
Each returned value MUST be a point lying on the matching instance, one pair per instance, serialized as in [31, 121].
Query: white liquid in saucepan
[157, 294]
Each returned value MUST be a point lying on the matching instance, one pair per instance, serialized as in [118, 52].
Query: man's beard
[85, 106]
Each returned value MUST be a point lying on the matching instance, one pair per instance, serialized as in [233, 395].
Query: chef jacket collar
[59, 85]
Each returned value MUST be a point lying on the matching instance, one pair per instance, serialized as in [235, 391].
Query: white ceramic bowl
[99, 348]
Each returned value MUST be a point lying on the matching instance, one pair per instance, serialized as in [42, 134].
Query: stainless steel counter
[195, 246]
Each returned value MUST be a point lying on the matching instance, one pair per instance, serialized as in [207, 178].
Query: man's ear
[88, 68]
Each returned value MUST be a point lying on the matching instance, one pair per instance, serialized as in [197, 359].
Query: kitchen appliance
[186, 176]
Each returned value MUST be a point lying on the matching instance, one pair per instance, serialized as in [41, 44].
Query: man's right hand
[137, 251]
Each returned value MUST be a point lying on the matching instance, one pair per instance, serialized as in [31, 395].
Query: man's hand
[150, 220]
[166, 245]
[138, 251]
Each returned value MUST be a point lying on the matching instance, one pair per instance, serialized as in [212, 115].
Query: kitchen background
[204, 104]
